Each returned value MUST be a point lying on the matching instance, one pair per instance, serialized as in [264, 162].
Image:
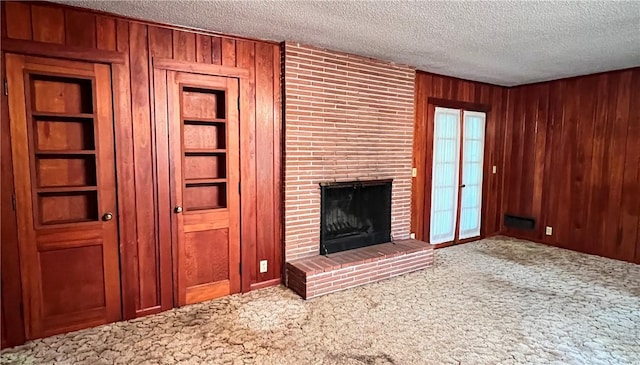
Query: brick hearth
[319, 275]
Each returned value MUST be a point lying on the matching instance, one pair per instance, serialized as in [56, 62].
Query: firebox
[354, 214]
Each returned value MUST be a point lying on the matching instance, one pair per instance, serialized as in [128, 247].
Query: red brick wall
[346, 118]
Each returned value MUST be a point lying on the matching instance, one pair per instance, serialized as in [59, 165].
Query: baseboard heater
[514, 221]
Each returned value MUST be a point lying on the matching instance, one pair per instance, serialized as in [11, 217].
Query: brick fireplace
[347, 118]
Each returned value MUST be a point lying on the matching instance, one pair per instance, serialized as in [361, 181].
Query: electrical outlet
[495, 169]
[412, 236]
[263, 266]
[549, 231]
[414, 172]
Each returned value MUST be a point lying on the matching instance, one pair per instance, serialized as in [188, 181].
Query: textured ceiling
[501, 42]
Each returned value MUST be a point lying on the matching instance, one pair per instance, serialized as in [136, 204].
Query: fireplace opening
[354, 214]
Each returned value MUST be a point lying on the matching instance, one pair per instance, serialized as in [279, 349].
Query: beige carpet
[496, 301]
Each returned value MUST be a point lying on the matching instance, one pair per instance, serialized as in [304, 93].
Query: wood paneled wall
[141, 167]
[573, 162]
[446, 91]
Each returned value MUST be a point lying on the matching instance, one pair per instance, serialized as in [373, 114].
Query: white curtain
[472, 162]
[444, 191]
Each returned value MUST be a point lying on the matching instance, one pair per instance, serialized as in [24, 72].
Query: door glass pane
[472, 162]
[444, 191]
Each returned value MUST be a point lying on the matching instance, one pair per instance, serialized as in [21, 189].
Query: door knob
[107, 216]
[178, 209]
[462, 186]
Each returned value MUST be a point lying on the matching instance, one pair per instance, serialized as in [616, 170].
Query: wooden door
[204, 150]
[63, 156]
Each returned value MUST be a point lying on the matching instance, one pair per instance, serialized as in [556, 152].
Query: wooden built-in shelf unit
[62, 137]
[204, 148]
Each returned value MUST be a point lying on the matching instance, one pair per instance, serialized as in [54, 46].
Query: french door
[456, 180]
[203, 121]
[63, 156]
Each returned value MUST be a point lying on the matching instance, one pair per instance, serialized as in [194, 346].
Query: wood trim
[457, 242]
[12, 324]
[246, 58]
[278, 171]
[458, 79]
[467, 240]
[456, 233]
[569, 78]
[43, 49]
[200, 68]
[455, 104]
[265, 284]
[427, 174]
[150, 311]
[17, 112]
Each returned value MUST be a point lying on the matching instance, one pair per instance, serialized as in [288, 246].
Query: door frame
[167, 235]
[427, 169]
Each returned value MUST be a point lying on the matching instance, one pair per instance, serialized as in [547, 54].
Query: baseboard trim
[265, 284]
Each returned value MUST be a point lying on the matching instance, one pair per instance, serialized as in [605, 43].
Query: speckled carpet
[496, 301]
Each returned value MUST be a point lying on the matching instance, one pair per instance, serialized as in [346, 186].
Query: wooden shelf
[62, 115]
[203, 151]
[66, 152]
[66, 189]
[187, 120]
[204, 181]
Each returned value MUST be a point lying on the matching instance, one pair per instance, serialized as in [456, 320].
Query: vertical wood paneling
[419, 154]
[632, 188]
[126, 175]
[246, 59]
[161, 45]
[595, 196]
[80, 28]
[627, 109]
[555, 140]
[587, 119]
[264, 156]
[203, 48]
[539, 148]
[527, 117]
[609, 209]
[589, 189]
[47, 24]
[228, 47]
[277, 126]
[143, 161]
[140, 165]
[17, 19]
[184, 46]
[106, 33]
[216, 50]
